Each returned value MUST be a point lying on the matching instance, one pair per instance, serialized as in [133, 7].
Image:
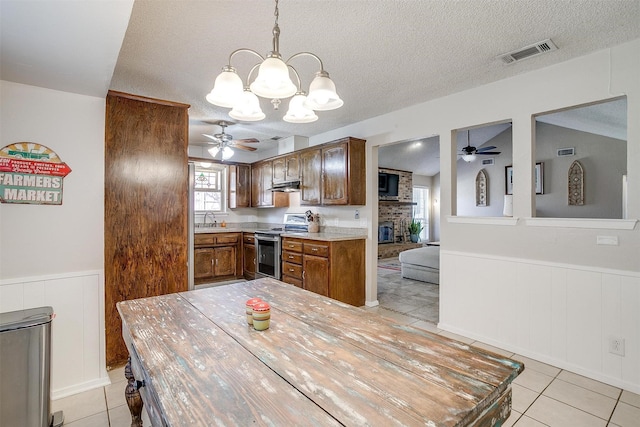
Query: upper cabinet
[334, 173]
[261, 182]
[286, 168]
[239, 186]
[310, 176]
[330, 174]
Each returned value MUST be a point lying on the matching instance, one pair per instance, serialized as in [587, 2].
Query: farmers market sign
[31, 173]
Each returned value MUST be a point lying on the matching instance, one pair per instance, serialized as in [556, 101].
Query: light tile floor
[543, 395]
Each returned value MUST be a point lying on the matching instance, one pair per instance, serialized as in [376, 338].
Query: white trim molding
[78, 359]
[591, 223]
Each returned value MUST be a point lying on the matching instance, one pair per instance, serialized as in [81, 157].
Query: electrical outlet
[616, 346]
[357, 215]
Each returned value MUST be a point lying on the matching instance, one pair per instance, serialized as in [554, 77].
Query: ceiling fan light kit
[469, 153]
[224, 143]
[273, 82]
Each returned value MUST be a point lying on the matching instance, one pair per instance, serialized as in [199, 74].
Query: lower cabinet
[216, 257]
[335, 269]
[249, 256]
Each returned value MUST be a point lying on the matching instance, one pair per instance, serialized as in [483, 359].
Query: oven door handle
[268, 238]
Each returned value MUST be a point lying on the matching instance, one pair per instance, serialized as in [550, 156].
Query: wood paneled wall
[146, 185]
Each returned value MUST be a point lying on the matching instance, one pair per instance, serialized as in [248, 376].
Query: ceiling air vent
[528, 51]
[566, 152]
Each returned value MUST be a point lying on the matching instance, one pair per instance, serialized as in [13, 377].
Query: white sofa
[421, 264]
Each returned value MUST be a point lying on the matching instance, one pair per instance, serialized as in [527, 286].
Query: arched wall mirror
[584, 153]
[483, 152]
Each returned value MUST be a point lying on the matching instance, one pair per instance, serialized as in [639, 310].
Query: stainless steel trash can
[25, 368]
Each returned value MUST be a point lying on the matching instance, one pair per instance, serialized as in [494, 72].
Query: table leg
[131, 393]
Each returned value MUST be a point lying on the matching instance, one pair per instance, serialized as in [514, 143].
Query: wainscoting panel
[78, 337]
[564, 315]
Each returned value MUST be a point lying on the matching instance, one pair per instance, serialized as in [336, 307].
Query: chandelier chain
[276, 13]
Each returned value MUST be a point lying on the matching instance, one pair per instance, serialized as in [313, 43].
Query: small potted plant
[415, 227]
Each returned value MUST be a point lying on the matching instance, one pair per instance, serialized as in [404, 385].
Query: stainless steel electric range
[269, 244]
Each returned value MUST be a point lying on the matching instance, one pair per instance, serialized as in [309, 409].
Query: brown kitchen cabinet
[310, 176]
[334, 173]
[286, 168]
[216, 257]
[239, 186]
[261, 183]
[145, 206]
[249, 256]
[331, 268]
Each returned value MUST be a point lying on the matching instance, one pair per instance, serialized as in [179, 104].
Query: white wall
[54, 255]
[542, 244]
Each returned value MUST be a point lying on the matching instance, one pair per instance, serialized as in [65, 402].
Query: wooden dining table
[195, 361]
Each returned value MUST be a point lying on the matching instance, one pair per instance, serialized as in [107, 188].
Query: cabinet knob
[314, 249]
[290, 256]
[291, 269]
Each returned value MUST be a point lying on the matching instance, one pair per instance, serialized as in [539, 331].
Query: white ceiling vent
[528, 51]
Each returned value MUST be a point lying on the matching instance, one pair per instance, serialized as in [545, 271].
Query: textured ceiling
[383, 54]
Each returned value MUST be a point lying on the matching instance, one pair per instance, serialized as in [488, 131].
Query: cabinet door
[267, 183]
[203, 263]
[239, 186]
[310, 175]
[316, 274]
[279, 170]
[232, 186]
[243, 197]
[292, 167]
[249, 261]
[335, 175]
[225, 261]
[256, 182]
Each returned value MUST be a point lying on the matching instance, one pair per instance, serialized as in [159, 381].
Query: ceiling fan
[224, 142]
[469, 153]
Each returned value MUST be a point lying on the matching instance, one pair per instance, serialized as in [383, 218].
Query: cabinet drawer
[204, 239]
[227, 238]
[248, 239]
[292, 245]
[292, 257]
[292, 281]
[316, 249]
[293, 270]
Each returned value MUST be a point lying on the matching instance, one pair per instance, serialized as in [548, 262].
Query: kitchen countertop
[329, 237]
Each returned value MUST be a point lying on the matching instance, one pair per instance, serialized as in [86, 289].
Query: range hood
[286, 187]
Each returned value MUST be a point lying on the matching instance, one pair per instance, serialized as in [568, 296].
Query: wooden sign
[31, 173]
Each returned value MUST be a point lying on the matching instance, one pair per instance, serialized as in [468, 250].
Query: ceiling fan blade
[243, 147]
[489, 152]
[247, 141]
[211, 137]
[480, 150]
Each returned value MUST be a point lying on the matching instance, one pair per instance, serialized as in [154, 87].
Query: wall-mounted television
[388, 184]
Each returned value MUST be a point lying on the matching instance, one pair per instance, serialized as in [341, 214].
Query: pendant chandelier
[273, 82]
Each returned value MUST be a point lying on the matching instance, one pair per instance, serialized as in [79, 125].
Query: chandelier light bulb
[297, 112]
[227, 88]
[469, 158]
[273, 80]
[247, 108]
[322, 94]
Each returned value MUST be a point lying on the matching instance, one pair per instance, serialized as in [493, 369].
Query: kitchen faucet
[204, 222]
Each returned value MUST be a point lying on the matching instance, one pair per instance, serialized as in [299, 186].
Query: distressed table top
[321, 362]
